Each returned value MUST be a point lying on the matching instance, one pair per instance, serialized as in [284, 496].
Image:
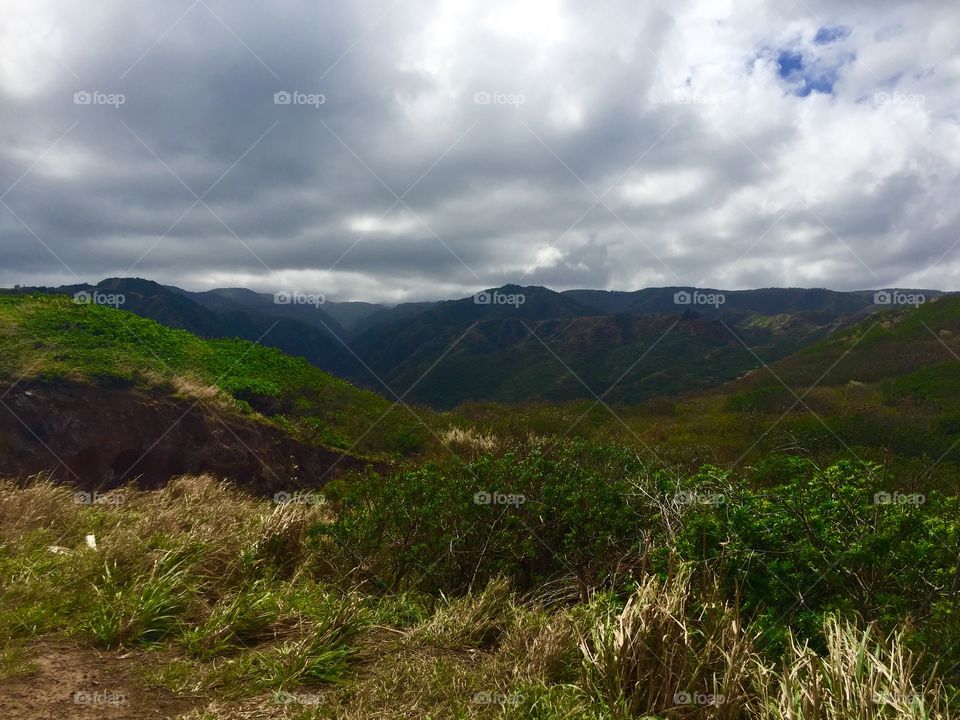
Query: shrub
[812, 542]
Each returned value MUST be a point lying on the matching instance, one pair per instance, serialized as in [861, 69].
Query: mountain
[340, 319]
[351, 315]
[237, 313]
[513, 343]
[102, 396]
[578, 344]
[403, 311]
[889, 381]
[266, 306]
[764, 301]
[900, 351]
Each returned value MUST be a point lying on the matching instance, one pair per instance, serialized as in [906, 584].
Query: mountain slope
[85, 355]
[763, 301]
[262, 305]
[892, 349]
[556, 347]
[226, 316]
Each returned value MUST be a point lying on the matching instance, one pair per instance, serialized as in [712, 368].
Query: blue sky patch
[807, 73]
[788, 63]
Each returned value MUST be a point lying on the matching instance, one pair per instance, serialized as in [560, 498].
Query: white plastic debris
[92, 542]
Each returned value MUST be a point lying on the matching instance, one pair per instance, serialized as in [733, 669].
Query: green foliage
[141, 610]
[528, 515]
[236, 620]
[49, 337]
[810, 542]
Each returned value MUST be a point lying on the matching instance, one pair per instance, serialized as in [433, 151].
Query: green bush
[528, 515]
[811, 542]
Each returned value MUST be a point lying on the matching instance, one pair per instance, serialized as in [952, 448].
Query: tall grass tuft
[862, 677]
[141, 610]
[665, 654]
[242, 618]
[319, 650]
[474, 621]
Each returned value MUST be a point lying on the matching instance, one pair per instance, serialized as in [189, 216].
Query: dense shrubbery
[806, 542]
[793, 542]
[525, 514]
[248, 598]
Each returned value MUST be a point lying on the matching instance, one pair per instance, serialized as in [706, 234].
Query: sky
[421, 149]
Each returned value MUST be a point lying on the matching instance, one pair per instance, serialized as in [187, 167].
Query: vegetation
[50, 338]
[735, 554]
[588, 584]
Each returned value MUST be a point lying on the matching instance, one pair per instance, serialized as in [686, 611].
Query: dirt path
[71, 682]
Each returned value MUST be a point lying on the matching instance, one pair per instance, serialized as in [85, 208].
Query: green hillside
[886, 388]
[49, 337]
[553, 348]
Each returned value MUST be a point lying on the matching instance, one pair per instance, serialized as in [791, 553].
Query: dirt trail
[70, 682]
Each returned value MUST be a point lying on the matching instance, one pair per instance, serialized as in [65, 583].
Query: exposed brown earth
[102, 437]
[66, 682]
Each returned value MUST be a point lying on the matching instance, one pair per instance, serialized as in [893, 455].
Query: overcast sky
[433, 148]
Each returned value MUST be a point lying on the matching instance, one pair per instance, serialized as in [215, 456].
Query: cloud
[435, 147]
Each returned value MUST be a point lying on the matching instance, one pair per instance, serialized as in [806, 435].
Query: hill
[206, 405]
[886, 387]
[234, 315]
[564, 346]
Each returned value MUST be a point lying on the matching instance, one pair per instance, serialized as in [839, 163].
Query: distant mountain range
[518, 343]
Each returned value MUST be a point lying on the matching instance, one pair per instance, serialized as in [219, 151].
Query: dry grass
[187, 386]
[469, 439]
[473, 621]
[37, 503]
[197, 389]
[663, 654]
[862, 677]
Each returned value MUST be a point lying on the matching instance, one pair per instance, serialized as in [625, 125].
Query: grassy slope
[249, 599]
[51, 338]
[239, 606]
[886, 388]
